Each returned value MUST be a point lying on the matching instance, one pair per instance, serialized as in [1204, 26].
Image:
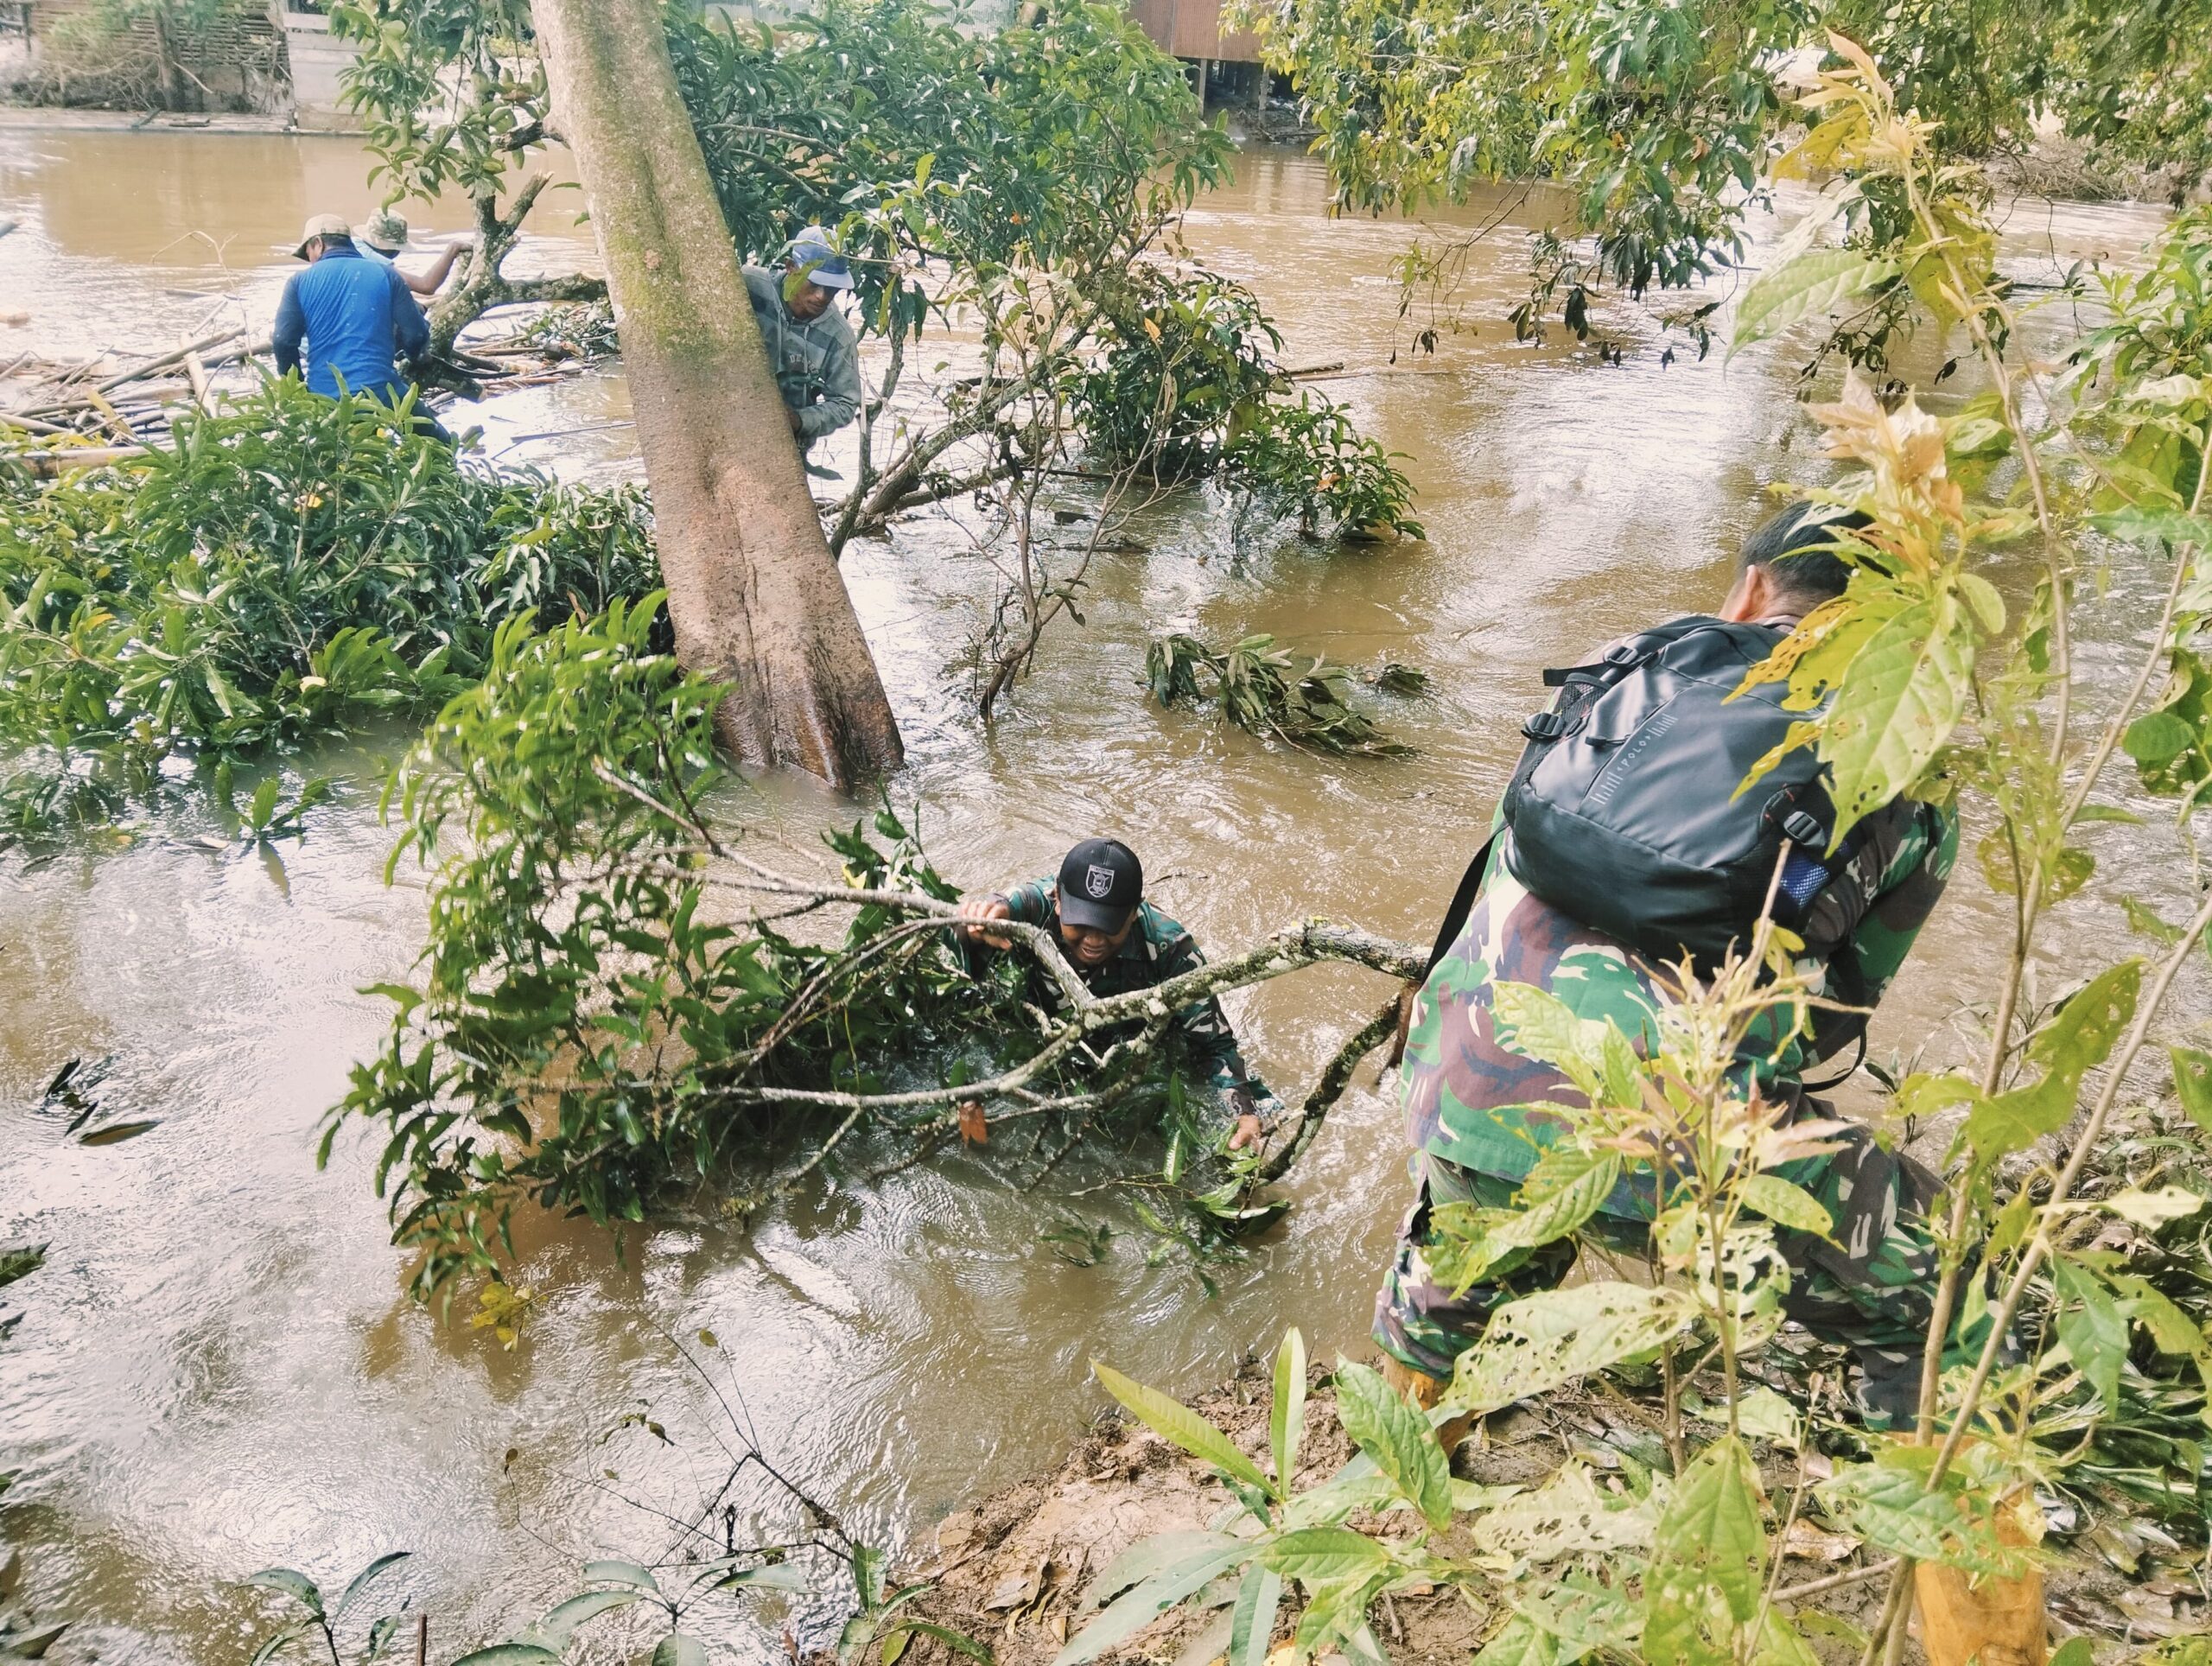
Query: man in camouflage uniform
[1470, 1103]
[1117, 943]
[810, 347]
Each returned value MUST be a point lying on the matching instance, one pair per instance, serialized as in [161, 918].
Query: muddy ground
[1014, 1570]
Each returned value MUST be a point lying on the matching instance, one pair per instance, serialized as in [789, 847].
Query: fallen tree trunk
[484, 285]
[753, 590]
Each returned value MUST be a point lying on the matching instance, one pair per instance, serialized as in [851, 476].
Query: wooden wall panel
[1192, 29]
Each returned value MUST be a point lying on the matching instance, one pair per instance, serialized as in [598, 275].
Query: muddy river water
[219, 1367]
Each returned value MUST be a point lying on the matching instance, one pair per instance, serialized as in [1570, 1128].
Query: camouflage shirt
[1467, 1099]
[1158, 949]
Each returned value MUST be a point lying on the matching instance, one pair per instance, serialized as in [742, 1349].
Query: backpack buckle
[1801, 827]
[1545, 726]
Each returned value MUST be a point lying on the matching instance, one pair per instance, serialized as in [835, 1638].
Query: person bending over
[1116, 943]
[1591, 919]
[346, 322]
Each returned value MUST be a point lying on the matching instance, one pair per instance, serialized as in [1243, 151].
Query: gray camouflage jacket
[817, 360]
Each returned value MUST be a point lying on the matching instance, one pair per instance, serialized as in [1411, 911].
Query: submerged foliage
[1187, 385]
[333, 1626]
[287, 569]
[1301, 700]
[1023, 185]
[600, 1024]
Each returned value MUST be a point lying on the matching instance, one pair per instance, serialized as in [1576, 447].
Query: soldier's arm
[1211, 1044]
[291, 328]
[1030, 904]
[1862, 968]
[841, 392]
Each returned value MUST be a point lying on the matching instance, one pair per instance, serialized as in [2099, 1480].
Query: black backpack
[1623, 812]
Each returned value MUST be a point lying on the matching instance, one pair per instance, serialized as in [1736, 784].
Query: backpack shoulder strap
[1463, 903]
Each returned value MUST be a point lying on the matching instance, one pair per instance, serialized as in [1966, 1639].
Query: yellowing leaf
[2193, 1084]
[1898, 706]
[1786, 1204]
[2152, 1210]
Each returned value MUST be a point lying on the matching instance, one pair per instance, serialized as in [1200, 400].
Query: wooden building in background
[1191, 29]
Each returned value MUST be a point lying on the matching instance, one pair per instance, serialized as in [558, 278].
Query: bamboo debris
[169, 360]
[73, 405]
[46, 464]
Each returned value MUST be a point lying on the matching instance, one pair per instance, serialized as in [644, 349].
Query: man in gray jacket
[810, 347]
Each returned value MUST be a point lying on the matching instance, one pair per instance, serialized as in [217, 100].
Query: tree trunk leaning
[754, 596]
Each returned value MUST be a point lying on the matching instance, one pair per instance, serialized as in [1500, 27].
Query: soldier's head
[1788, 568]
[1102, 883]
[813, 273]
[386, 232]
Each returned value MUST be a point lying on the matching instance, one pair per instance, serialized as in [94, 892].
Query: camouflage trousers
[1872, 1290]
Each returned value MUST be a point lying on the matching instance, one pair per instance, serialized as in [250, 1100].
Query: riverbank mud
[1017, 1570]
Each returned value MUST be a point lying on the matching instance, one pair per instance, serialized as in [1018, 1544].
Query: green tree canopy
[1658, 122]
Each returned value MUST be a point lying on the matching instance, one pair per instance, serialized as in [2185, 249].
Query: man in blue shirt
[357, 316]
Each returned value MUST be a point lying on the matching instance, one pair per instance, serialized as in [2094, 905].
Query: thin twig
[1836, 1582]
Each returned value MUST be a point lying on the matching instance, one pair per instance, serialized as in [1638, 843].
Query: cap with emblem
[386, 232]
[1101, 881]
[322, 225]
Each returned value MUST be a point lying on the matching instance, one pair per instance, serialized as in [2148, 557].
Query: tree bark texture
[753, 591]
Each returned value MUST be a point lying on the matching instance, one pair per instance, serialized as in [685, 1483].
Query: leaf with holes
[1710, 1543]
[1543, 1342]
[1566, 1516]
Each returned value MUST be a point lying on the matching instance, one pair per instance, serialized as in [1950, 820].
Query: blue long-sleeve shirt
[356, 317]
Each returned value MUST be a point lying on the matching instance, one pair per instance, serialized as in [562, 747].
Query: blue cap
[818, 258]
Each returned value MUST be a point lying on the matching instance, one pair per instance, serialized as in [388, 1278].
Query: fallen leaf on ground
[1810, 1543]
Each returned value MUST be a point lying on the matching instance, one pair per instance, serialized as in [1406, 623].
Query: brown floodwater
[218, 1369]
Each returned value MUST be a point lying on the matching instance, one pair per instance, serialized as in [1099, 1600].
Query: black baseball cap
[1101, 881]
